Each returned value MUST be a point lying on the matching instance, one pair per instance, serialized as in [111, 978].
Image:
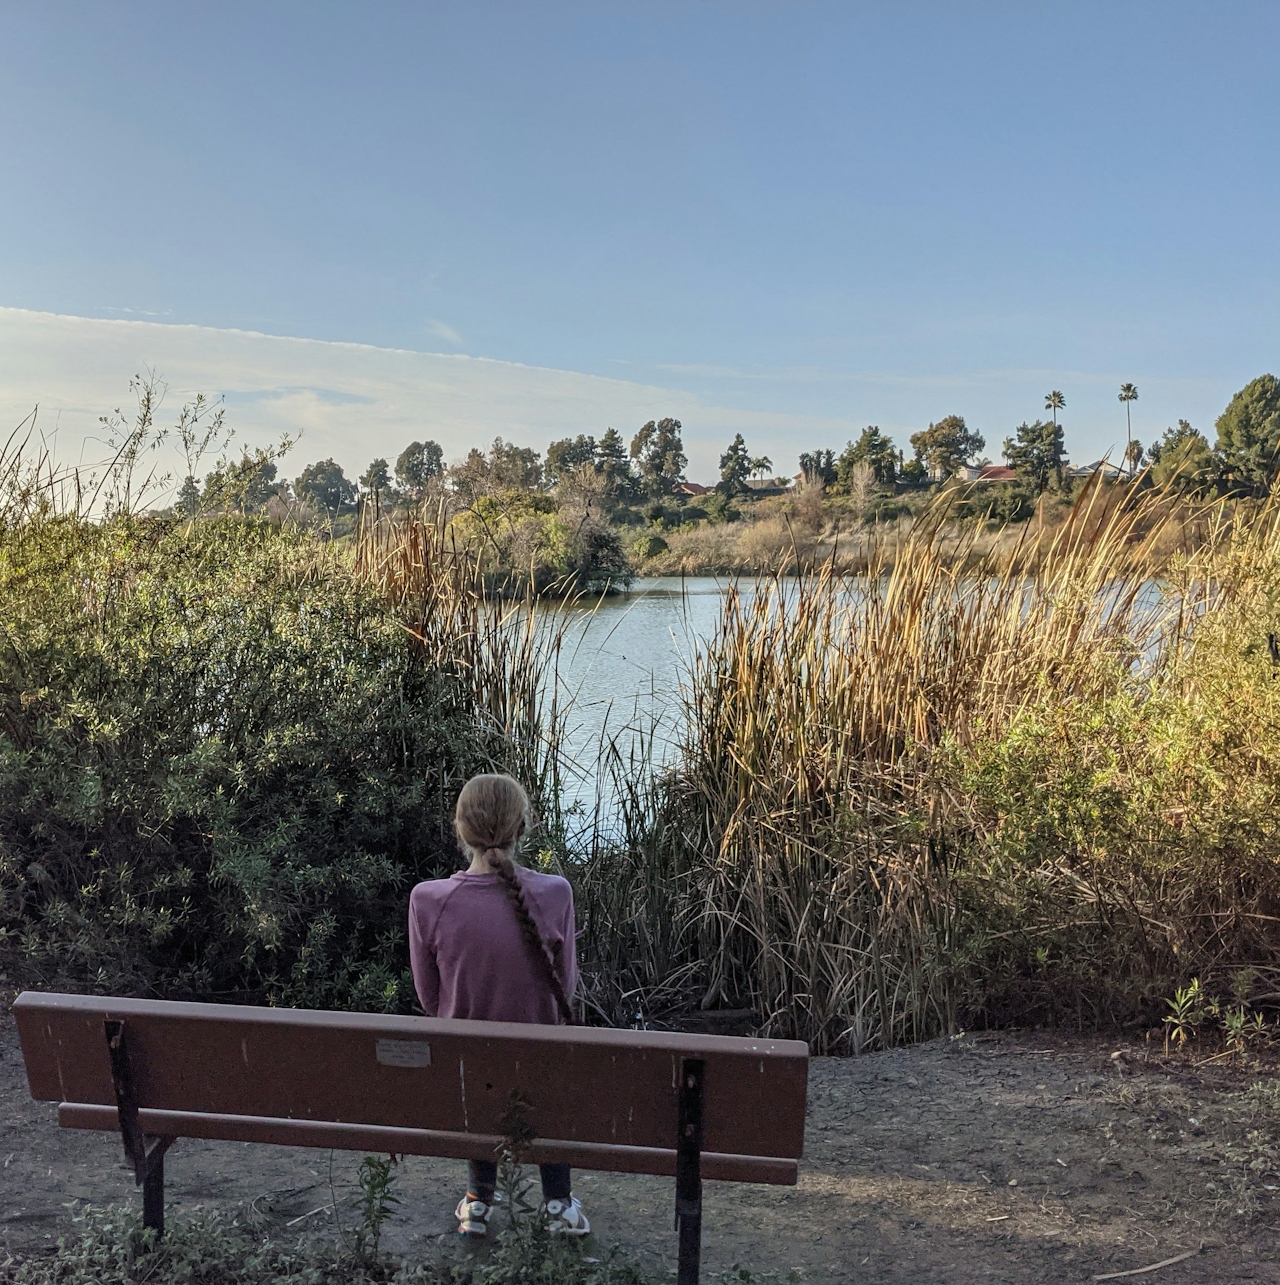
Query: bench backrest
[597, 1098]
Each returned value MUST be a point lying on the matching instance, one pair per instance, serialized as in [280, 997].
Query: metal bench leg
[145, 1153]
[689, 1170]
[153, 1196]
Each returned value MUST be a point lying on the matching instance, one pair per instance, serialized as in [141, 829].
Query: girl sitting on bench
[495, 942]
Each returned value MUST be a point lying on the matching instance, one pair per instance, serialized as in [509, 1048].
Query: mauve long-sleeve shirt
[469, 955]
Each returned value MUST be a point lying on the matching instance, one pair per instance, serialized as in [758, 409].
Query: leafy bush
[717, 508]
[649, 546]
[1003, 503]
[223, 762]
[112, 1249]
[524, 542]
[888, 508]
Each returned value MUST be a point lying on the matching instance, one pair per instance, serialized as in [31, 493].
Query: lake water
[623, 662]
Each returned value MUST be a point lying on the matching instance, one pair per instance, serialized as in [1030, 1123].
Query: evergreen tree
[470, 478]
[659, 454]
[244, 485]
[416, 465]
[514, 468]
[376, 479]
[566, 455]
[874, 448]
[819, 467]
[188, 501]
[1249, 437]
[326, 486]
[735, 468]
[1181, 459]
[507, 467]
[946, 447]
[614, 466]
[1037, 452]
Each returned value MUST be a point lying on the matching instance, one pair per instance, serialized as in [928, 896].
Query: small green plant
[109, 1247]
[513, 1184]
[1187, 1012]
[376, 1178]
[1242, 1031]
[1192, 1010]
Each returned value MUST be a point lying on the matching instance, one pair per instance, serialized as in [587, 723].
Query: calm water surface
[623, 663]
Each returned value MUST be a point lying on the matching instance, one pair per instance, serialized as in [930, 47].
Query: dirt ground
[997, 1158]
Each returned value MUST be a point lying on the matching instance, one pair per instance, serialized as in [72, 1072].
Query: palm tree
[1128, 393]
[1055, 402]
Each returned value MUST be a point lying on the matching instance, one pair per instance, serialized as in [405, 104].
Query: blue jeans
[482, 1178]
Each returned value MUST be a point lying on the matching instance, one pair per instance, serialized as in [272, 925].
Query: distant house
[691, 488]
[1108, 470]
[986, 473]
[768, 485]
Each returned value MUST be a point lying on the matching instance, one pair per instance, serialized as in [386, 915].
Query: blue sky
[789, 219]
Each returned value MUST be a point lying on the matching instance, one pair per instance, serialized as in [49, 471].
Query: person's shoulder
[547, 887]
[431, 892]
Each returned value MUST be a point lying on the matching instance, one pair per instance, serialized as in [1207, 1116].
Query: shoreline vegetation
[973, 790]
[984, 774]
[588, 515]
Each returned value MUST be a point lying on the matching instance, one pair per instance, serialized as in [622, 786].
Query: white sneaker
[473, 1217]
[565, 1218]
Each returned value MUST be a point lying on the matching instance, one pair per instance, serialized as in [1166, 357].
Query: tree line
[610, 473]
[1243, 461]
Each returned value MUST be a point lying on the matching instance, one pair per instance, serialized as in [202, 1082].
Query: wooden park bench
[688, 1106]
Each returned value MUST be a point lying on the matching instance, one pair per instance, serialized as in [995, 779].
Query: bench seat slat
[425, 1142]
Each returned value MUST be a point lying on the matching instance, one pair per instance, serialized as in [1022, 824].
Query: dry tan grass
[829, 852]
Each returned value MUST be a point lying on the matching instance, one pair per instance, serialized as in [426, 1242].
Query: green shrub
[223, 762]
[1003, 503]
[524, 542]
[645, 547]
[717, 508]
[887, 508]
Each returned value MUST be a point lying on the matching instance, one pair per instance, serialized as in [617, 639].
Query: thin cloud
[352, 401]
[442, 330]
[139, 312]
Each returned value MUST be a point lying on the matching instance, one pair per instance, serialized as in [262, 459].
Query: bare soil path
[1020, 1157]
